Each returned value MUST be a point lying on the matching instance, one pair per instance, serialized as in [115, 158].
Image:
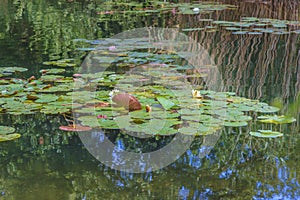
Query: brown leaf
[31, 97]
[127, 101]
[97, 105]
[75, 128]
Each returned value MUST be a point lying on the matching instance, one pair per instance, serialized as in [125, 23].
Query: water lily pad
[6, 130]
[61, 63]
[52, 71]
[122, 121]
[235, 123]
[195, 112]
[192, 29]
[166, 103]
[188, 130]
[140, 114]
[75, 128]
[13, 69]
[167, 131]
[107, 124]
[232, 28]
[51, 78]
[13, 136]
[56, 88]
[54, 109]
[191, 118]
[164, 114]
[6, 133]
[265, 108]
[240, 32]
[266, 134]
[274, 119]
[46, 98]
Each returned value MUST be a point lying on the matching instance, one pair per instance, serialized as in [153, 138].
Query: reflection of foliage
[233, 169]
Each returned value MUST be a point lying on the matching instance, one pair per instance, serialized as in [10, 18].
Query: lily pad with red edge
[75, 128]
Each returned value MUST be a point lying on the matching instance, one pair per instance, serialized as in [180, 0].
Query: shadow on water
[46, 163]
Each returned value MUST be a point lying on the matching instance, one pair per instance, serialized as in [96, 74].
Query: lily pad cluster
[155, 77]
[46, 94]
[7, 71]
[272, 119]
[61, 63]
[173, 109]
[121, 7]
[7, 133]
[251, 26]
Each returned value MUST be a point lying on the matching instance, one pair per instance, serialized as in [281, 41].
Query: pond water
[255, 48]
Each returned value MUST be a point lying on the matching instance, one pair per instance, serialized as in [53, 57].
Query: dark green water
[264, 67]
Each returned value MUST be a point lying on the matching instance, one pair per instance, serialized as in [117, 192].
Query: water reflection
[262, 67]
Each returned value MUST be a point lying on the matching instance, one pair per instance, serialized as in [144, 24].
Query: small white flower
[196, 10]
[113, 92]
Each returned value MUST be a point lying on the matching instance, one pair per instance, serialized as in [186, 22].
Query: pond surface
[255, 47]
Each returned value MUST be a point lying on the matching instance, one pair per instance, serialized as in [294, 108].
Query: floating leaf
[107, 124]
[240, 32]
[6, 133]
[140, 114]
[235, 124]
[13, 69]
[188, 130]
[266, 134]
[13, 136]
[52, 71]
[122, 121]
[192, 29]
[6, 130]
[61, 63]
[166, 103]
[51, 78]
[46, 98]
[276, 119]
[54, 109]
[75, 128]
[161, 114]
[265, 108]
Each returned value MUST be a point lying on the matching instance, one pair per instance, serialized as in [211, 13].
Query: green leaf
[122, 121]
[235, 124]
[265, 108]
[13, 136]
[276, 119]
[6, 130]
[266, 134]
[53, 71]
[188, 130]
[140, 114]
[166, 103]
[46, 98]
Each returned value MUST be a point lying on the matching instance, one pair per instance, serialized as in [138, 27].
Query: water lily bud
[31, 78]
[196, 94]
[148, 108]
